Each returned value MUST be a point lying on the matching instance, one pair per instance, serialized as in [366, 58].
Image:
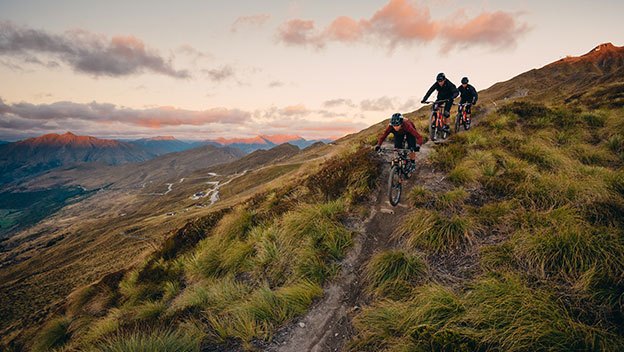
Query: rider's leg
[411, 144]
[398, 140]
[447, 113]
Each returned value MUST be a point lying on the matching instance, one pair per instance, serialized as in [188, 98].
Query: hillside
[508, 237]
[35, 155]
[264, 142]
[163, 144]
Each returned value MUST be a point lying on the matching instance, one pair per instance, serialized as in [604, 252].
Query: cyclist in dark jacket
[402, 129]
[468, 95]
[446, 91]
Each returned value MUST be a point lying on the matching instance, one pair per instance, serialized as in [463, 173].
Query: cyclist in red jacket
[403, 129]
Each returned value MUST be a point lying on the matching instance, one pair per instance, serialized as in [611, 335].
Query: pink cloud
[404, 22]
[344, 29]
[498, 29]
[299, 32]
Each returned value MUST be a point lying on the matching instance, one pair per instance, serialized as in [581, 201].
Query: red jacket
[406, 127]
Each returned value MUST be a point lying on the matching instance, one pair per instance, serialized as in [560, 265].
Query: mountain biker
[446, 91]
[468, 95]
[402, 129]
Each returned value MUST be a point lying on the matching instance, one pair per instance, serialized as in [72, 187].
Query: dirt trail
[327, 326]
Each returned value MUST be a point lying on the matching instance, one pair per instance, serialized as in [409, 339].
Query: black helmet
[465, 80]
[396, 119]
[440, 77]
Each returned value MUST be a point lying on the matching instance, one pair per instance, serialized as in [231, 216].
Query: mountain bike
[436, 122]
[400, 169]
[461, 118]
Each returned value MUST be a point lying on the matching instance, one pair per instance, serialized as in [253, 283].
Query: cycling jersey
[407, 127]
[468, 94]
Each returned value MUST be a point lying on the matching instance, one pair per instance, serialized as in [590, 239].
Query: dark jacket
[447, 91]
[406, 127]
[468, 94]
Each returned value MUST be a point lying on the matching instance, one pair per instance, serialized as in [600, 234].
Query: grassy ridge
[231, 277]
[539, 197]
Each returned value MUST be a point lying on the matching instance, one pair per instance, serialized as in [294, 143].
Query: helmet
[440, 77]
[396, 119]
[465, 80]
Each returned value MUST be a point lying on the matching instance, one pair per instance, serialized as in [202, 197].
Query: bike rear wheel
[394, 185]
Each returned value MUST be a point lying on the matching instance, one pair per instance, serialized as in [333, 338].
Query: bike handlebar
[437, 101]
[395, 150]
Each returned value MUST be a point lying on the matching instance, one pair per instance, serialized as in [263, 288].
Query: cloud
[498, 29]
[295, 110]
[220, 74]
[379, 104]
[404, 22]
[85, 52]
[338, 102]
[276, 84]
[61, 112]
[257, 20]
[299, 32]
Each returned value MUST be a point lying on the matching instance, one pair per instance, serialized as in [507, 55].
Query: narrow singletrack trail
[327, 326]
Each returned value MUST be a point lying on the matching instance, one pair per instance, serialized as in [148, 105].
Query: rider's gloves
[377, 148]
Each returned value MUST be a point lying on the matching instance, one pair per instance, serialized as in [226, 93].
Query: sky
[318, 69]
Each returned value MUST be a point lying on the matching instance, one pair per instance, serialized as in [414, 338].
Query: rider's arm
[409, 127]
[475, 95]
[433, 87]
[384, 135]
[455, 92]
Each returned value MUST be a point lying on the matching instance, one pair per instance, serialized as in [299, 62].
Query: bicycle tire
[457, 123]
[432, 127]
[394, 185]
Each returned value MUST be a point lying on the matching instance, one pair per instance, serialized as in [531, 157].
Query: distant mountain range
[265, 142]
[34, 155]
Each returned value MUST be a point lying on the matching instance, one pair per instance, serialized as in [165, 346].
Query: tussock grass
[446, 156]
[432, 231]
[212, 294]
[461, 175]
[390, 272]
[570, 251]
[420, 196]
[453, 198]
[53, 335]
[235, 225]
[497, 257]
[516, 318]
[158, 340]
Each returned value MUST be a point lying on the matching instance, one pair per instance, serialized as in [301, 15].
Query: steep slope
[34, 155]
[565, 80]
[511, 240]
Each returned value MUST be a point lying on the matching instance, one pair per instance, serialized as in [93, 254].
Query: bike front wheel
[433, 123]
[394, 185]
[457, 123]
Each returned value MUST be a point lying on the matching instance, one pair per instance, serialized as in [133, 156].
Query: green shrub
[594, 119]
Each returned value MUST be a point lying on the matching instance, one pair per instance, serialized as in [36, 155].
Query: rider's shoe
[446, 128]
